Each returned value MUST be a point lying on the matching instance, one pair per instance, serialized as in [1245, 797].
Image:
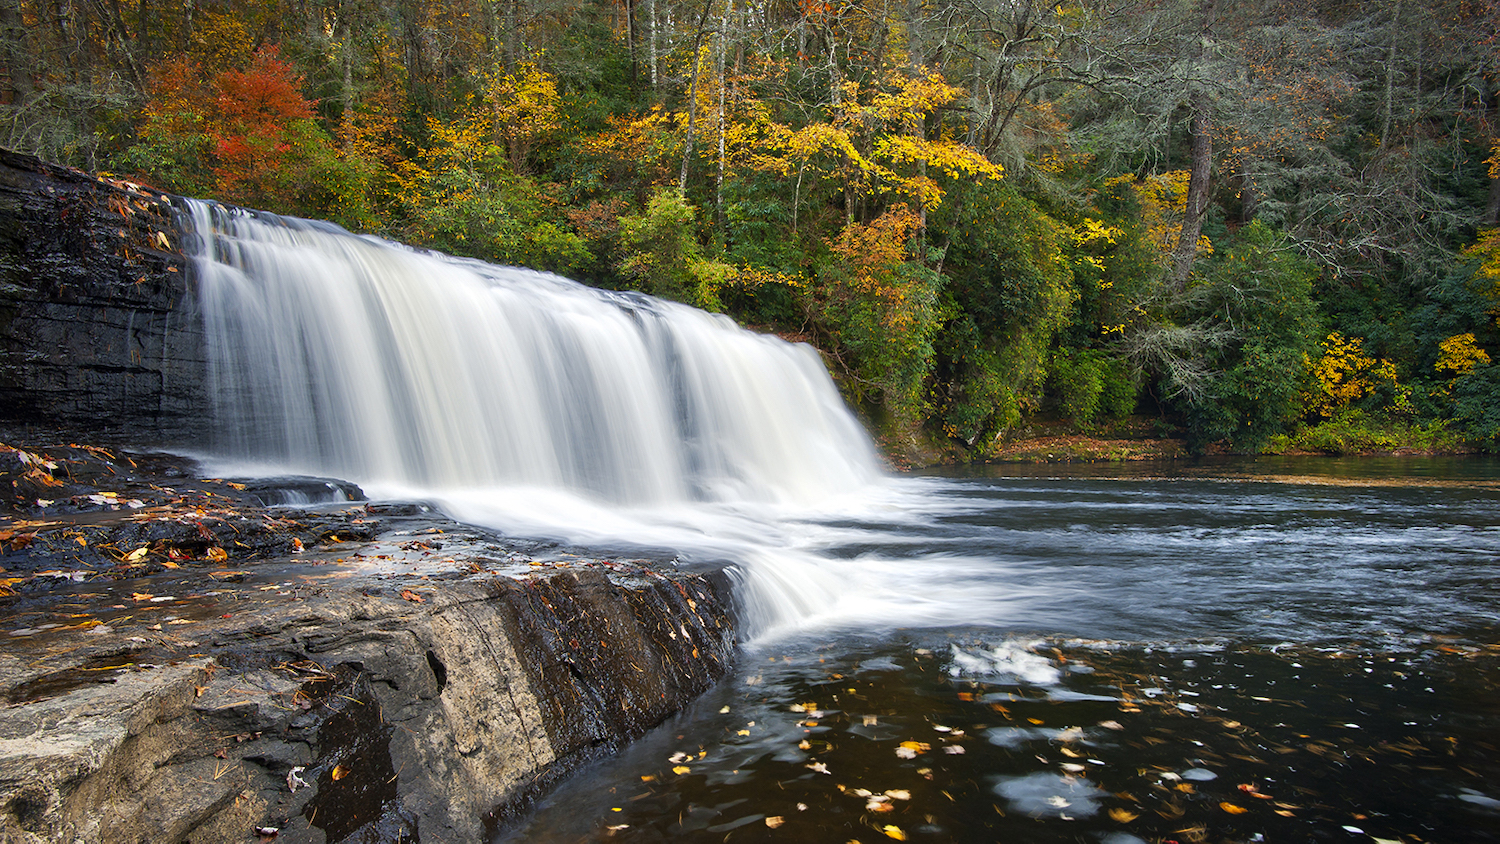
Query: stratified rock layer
[411, 716]
[96, 326]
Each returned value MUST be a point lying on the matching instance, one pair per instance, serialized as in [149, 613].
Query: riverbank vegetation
[1266, 226]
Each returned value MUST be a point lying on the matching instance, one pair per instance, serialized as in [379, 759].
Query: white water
[530, 403]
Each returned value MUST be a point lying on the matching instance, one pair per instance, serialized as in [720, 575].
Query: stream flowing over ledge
[195, 661]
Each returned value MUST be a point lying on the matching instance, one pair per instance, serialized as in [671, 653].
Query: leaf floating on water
[804, 745]
[893, 832]
[775, 821]
[954, 750]
[870, 720]
[819, 767]
[680, 757]
[898, 794]
[681, 769]
[724, 711]
[339, 772]
[1122, 815]
[905, 753]
[1233, 809]
[1112, 725]
[742, 733]
[1072, 767]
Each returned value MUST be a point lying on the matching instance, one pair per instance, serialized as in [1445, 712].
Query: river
[1272, 650]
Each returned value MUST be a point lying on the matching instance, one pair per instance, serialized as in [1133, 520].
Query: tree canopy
[1265, 225]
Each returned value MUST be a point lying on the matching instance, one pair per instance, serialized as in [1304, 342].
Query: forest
[1263, 226]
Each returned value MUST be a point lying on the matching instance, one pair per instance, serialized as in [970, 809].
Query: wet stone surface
[335, 670]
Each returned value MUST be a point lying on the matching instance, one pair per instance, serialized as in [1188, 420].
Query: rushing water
[1282, 651]
[1126, 659]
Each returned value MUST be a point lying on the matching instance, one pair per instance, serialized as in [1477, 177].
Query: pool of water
[1273, 651]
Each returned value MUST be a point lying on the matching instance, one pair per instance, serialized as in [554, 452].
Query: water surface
[1270, 651]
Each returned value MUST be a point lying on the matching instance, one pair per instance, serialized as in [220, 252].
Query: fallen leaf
[137, 555]
[681, 769]
[1233, 809]
[339, 772]
[893, 832]
[216, 554]
[1122, 815]
[775, 821]
[408, 595]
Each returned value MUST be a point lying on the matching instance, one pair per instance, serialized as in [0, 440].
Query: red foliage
[255, 109]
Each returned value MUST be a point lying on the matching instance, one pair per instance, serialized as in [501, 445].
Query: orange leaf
[409, 595]
[1233, 809]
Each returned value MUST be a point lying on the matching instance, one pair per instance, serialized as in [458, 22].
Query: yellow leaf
[1233, 809]
[217, 554]
[137, 555]
[681, 769]
[775, 821]
[1122, 815]
[893, 832]
[339, 772]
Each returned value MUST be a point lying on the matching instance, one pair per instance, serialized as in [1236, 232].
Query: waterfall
[362, 359]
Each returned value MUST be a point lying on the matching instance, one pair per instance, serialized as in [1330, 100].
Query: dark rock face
[97, 327]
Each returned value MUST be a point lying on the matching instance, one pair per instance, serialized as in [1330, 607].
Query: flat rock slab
[179, 662]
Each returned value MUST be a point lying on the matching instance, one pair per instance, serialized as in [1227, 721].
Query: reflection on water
[1104, 659]
[900, 739]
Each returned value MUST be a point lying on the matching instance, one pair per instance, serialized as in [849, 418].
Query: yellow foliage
[1346, 374]
[1163, 205]
[1459, 355]
[1096, 232]
[525, 108]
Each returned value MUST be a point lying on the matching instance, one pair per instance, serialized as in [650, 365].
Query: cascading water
[518, 399]
[363, 359]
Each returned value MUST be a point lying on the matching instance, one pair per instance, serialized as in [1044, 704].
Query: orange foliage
[870, 255]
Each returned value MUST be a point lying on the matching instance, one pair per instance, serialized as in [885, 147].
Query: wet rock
[96, 318]
[168, 667]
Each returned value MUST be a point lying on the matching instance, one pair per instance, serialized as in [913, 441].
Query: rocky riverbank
[184, 662]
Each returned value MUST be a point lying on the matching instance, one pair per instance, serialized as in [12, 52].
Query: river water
[1277, 650]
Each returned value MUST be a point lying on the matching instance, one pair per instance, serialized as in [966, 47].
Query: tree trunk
[687, 150]
[1197, 198]
[1200, 129]
[13, 61]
